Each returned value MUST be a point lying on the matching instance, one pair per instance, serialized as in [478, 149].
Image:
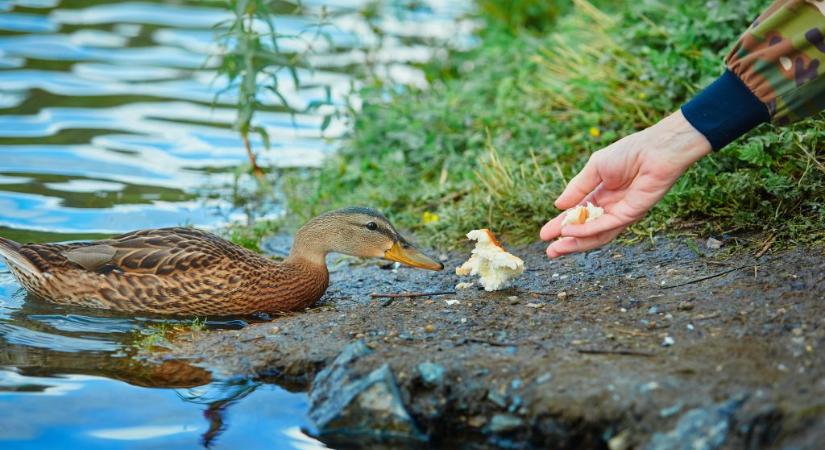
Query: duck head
[360, 232]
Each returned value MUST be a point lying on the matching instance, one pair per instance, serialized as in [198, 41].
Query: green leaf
[264, 137]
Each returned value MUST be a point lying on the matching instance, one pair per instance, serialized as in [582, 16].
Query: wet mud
[625, 347]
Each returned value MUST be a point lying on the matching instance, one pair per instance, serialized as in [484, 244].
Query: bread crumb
[582, 214]
[490, 261]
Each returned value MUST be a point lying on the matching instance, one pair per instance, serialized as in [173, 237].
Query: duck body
[185, 271]
[168, 271]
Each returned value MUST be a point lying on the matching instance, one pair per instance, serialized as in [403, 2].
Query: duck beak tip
[410, 256]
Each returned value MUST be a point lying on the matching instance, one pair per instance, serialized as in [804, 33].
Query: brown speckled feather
[166, 271]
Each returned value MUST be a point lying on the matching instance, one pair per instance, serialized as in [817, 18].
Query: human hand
[626, 179]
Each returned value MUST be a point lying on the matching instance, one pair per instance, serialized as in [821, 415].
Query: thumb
[582, 184]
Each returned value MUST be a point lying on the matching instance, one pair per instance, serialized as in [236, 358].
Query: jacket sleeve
[775, 72]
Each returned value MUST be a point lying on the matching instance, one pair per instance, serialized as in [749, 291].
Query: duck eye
[372, 226]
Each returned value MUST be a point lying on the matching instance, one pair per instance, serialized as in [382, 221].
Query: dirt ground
[618, 348]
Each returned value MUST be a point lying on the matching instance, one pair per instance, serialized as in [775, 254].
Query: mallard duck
[192, 272]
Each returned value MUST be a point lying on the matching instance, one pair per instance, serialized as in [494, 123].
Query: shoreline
[616, 362]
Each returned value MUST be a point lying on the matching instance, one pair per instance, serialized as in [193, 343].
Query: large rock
[346, 406]
[698, 429]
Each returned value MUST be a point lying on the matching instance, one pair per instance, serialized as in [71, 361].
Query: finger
[552, 229]
[597, 226]
[557, 247]
[582, 184]
[568, 245]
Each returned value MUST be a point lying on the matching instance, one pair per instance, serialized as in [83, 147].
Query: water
[107, 124]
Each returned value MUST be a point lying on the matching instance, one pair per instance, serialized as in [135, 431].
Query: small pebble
[653, 310]
[713, 244]
[668, 341]
[649, 386]
[562, 295]
[477, 421]
[685, 306]
[452, 302]
[535, 305]
[690, 327]
[429, 328]
[544, 378]
[461, 286]
[275, 330]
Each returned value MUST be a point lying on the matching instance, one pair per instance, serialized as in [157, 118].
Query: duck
[186, 271]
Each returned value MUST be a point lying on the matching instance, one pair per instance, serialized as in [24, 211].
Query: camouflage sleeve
[781, 59]
[775, 72]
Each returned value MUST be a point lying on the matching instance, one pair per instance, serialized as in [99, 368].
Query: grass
[494, 138]
[159, 335]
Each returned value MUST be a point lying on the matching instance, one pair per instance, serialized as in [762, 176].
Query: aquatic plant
[251, 59]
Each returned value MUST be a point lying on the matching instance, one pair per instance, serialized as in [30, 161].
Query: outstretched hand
[626, 179]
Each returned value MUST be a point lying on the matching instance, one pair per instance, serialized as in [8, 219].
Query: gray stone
[345, 405]
[698, 429]
[503, 423]
[431, 374]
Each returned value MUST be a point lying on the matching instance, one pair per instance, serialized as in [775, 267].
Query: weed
[160, 334]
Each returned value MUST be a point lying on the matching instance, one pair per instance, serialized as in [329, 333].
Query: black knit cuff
[725, 110]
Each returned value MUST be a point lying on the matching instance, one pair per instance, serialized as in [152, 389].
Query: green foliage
[520, 15]
[492, 141]
[249, 236]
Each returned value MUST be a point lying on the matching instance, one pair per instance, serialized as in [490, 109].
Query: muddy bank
[614, 349]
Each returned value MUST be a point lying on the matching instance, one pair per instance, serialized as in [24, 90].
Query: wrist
[681, 140]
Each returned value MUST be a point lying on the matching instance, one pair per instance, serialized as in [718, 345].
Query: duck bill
[409, 255]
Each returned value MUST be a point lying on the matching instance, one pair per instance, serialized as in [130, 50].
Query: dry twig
[411, 294]
[697, 280]
[596, 351]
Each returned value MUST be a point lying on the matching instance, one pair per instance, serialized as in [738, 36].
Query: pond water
[107, 124]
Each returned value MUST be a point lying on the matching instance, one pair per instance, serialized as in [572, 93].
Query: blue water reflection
[80, 411]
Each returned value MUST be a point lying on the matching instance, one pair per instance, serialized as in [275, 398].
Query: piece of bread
[490, 261]
[582, 214]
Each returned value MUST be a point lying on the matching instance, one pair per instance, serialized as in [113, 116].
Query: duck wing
[160, 252]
